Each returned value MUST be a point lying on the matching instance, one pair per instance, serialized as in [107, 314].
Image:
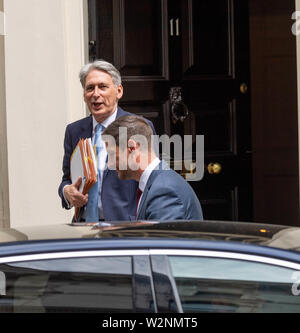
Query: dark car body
[194, 266]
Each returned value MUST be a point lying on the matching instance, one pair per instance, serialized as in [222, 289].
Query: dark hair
[135, 125]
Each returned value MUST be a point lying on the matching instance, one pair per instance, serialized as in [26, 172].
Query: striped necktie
[92, 212]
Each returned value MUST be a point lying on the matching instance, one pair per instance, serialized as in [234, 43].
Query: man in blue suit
[163, 193]
[102, 86]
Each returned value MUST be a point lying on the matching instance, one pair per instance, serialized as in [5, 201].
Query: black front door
[185, 66]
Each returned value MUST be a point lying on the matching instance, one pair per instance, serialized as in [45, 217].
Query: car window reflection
[103, 265]
[226, 285]
[98, 284]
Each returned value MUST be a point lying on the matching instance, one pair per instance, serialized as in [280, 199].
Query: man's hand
[74, 197]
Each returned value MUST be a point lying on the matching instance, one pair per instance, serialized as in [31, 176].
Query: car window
[229, 285]
[95, 284]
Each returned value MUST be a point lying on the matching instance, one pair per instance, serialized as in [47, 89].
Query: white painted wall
[4, 188]
[45, 47]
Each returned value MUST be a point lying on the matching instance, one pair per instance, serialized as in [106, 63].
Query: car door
[211, 281]
[79, 281]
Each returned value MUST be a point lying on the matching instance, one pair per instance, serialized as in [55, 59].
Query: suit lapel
[87, 128]
[150, 181]
[143, 200]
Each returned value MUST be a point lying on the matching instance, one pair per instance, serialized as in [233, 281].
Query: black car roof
[283, 237]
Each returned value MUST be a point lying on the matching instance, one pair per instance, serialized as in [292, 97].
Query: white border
[139, 252]
[73, 254]
[227, 255]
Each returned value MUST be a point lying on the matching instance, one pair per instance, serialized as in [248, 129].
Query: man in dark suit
[163, 193]
[103, 89]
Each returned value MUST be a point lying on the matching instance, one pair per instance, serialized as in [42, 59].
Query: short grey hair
[101, 65]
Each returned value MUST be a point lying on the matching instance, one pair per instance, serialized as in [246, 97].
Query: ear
[119, 92]
[132, 145]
